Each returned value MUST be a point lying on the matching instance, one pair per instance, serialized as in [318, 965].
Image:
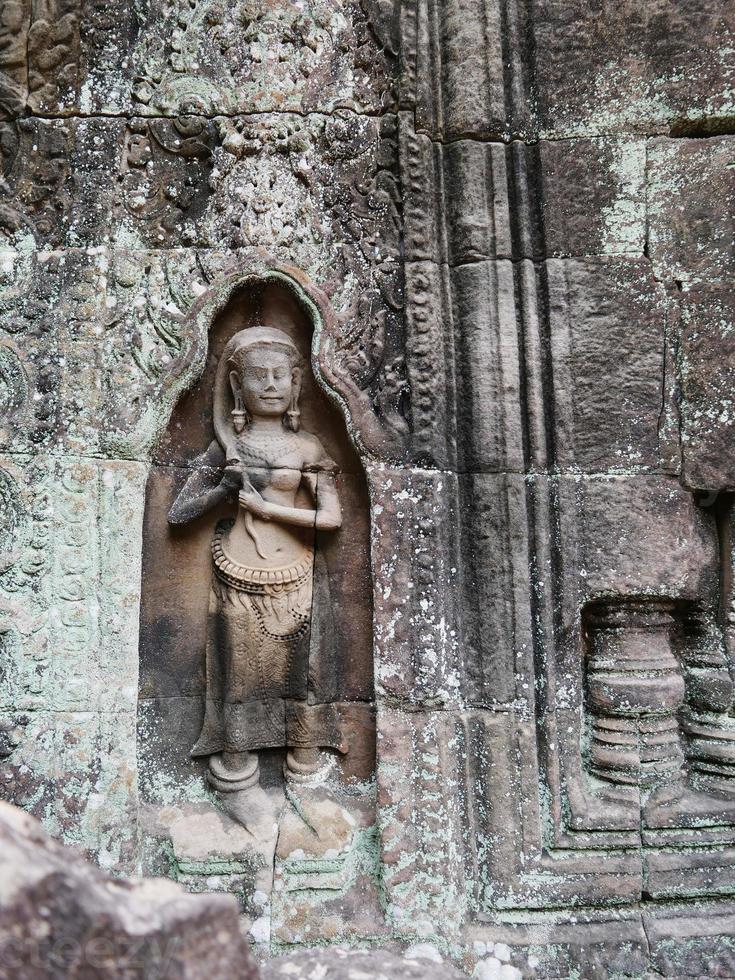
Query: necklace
[264, 448]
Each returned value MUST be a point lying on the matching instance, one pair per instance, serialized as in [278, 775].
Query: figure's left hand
[252, 501]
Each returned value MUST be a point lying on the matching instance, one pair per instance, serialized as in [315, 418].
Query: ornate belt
[247, 579]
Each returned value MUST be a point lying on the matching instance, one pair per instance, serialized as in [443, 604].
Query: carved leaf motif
[276, 55]
[362, 348]
[166, 165]
[148, 303]
[391, 399]
[14, 21]
[13, 520]
[13, 382]
[53, 55]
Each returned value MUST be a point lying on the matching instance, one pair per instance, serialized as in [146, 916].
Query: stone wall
[510, 227]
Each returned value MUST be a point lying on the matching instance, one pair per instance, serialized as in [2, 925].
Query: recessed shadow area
[177, 569]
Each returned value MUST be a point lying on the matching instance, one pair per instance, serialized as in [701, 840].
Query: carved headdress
[229, 422]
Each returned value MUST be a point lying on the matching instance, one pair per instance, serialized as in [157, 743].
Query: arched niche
[177, 567]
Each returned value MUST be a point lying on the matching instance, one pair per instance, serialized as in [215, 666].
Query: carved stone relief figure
[269, 604]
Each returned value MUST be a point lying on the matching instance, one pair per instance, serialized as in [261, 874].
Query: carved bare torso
[274, 469]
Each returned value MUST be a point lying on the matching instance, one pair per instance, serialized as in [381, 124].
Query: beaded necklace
[265, 449]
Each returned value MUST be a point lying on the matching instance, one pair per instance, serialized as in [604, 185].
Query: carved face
[266, 383]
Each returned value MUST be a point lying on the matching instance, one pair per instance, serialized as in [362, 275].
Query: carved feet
[242, 797]
[317, 819]
[235, 778]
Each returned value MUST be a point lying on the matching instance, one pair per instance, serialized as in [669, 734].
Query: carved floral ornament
[302, 49]
[14, 517]
[13, 381]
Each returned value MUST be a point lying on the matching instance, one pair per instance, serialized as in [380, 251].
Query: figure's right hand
[232, 477]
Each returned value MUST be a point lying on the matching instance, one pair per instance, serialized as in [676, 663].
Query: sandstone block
[644, 535]
[686, 945]
[608, 349]
[691, 192]
[593, 196]
[470, 200]
[609, 67]
[61, 917]
[707, 377]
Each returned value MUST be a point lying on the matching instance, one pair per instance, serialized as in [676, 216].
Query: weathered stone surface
[326, 886]
[608, 349]
[180, 180]
[46, 202]
[205, 850]
[487, 367]
[421, 811]
[494, 587]
[470, 200]
[593, 196]
[691, 193]
[61, 917]
[457, 86]
[112, 324]
[707, 377]
[66, 56]
[417, 963]
[606, 68]
[511, 258]
[127, 203]
[593, 946]
[594, 70]
[489, 338]
[70, 661]
[274, 180]
[634, 535]
[206, 59]
[314, 56]
[457, 196]
[690, 946]
[418, 597]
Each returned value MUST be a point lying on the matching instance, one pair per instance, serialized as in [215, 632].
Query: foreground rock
[61, 917]
[417, 963]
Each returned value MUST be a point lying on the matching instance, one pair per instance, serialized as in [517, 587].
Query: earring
[293, 415]
[239, 416]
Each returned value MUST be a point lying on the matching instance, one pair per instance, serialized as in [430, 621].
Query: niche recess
[177, 570]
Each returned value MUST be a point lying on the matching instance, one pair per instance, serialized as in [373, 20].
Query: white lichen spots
[261, 929]
[493, 969]
[624, 219]
[126, 237]
[7, 263]
[166, 790]
[423, 951]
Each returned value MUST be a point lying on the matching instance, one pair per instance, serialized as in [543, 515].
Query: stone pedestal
[635, 689]
[207, 851]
